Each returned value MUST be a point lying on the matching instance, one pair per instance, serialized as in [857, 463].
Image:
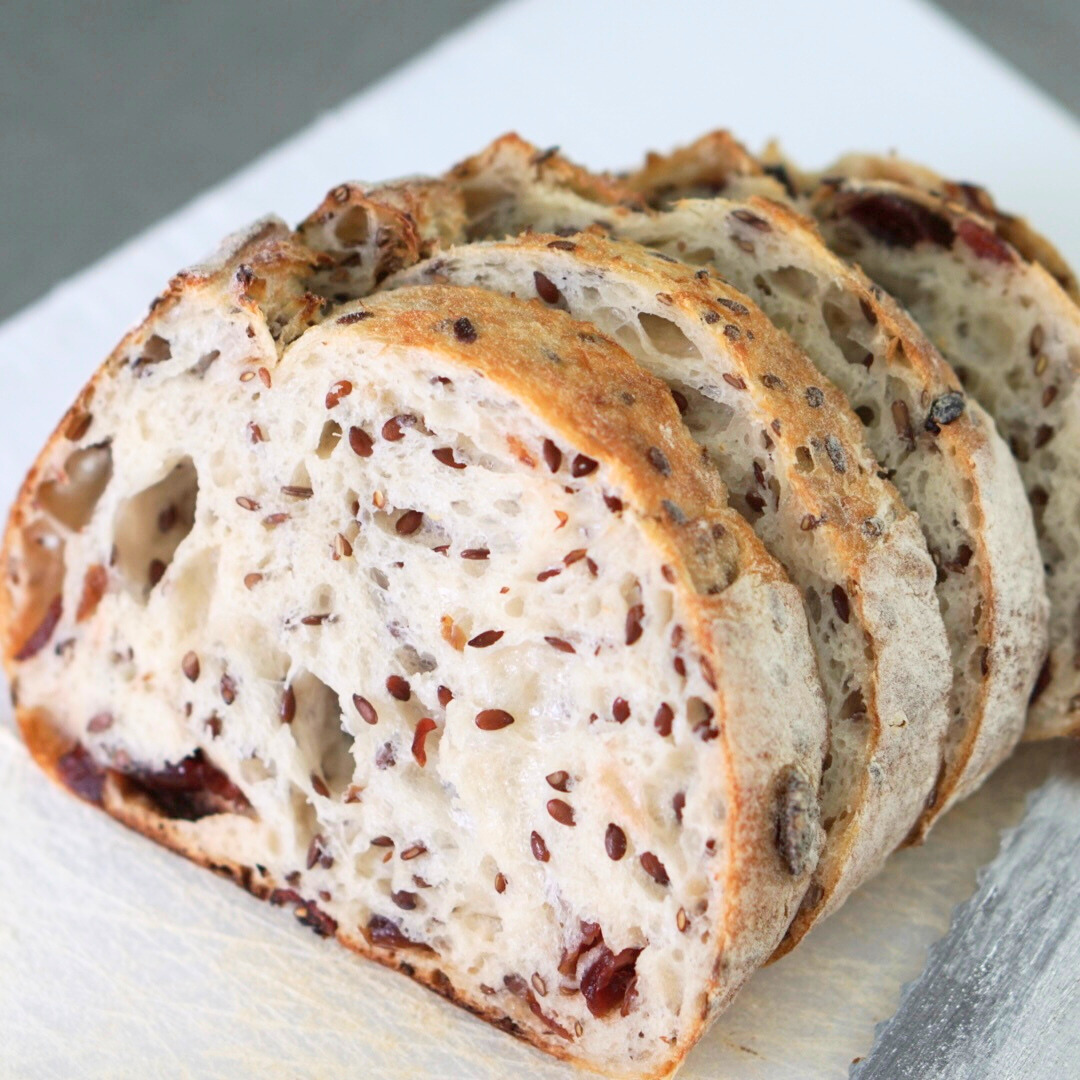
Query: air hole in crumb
[317, 729]
[793, 281]
[151, 525]
[839, 323]
[352, 228]
[71, 501]
[328, 439]
[697, 712]
[254, 769]
[666, 337]
[300, 481]
[194, 581]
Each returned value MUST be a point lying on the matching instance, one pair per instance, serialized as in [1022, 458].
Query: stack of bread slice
[566, 589]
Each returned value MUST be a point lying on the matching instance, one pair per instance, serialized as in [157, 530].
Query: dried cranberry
[607, 979]
[591, 935]
[899, 222]
[386, 933]
[985, 243]
[189, 789]
[81, 773]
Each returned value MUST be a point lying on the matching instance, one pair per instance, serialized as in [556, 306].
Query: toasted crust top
[708, 162]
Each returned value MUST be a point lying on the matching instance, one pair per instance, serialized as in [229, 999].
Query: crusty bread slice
[397, 621]
[1011, 228]
[793, 457]
[1013, 335]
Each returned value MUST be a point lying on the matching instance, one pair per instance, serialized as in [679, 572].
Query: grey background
[115, 112]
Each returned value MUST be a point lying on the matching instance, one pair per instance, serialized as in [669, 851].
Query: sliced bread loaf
[396, 622]
[959, 478]
[1013, 335]
[794, 460]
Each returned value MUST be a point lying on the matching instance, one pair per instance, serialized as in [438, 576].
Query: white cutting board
[118, 959]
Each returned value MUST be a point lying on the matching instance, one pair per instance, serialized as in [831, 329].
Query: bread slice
[793, 457]
[1015, 230]
[1013, 335]
[956, 475]
[394, 620]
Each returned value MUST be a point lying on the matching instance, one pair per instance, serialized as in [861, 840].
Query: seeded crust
[379, 229]
[746, 619]
[713, 164]
[1020, 360]
[840, 527]
[1015, 230]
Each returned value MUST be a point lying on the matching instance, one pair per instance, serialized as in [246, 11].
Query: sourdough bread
[394, 620]
[793, 458]
[959, 479]
[1013, 335]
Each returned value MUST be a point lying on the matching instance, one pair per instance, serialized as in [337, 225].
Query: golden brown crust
[549, 167]
[375, 231]
[708, 163]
